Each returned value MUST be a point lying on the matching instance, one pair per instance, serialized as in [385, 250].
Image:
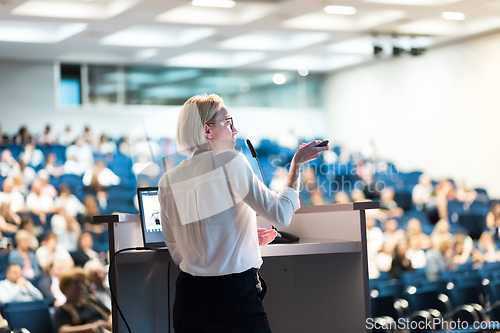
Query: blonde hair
[196, 112]
[68, 276]
[22, 234]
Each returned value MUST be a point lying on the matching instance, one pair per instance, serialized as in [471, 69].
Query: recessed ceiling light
[303, 71]
[214, 3]
[456, 16]
[342, 10]
[278, 78]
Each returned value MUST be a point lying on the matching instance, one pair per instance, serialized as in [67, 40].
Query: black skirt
[219, 304]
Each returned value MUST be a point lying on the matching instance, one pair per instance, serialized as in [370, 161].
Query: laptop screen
[149, 207]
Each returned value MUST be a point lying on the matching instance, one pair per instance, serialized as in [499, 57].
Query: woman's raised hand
[308, 151]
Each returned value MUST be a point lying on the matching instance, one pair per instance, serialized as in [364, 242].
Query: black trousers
[219, 304]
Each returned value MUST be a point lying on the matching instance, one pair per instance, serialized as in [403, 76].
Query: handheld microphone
[282, 237]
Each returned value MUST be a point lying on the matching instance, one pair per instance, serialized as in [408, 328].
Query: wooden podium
[319, 284]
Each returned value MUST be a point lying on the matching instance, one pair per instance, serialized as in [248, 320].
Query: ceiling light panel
[274, 41]
[414, 2]
[316, 62]
[73, 9]
[364, 45]
[215, 59]
[240, 14]
[155, 36]
[38, 32]
[340, 10]
[440, 27]
[360, 21]
[214, 3]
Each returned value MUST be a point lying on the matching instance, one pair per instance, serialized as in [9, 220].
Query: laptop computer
[149, 208]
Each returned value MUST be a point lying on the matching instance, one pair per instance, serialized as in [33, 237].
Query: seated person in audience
[441, 231]
[91, 210]
[488, 251]
[8, 164]
[70, 202]
[49, 284]
[144, 147]
[439, 259]
[106, 146]
[47, 188]
[51, 251]
[445, 192]
[15, 288]
[384, 258]
[6, 243]
[423, 193]
[67, 137]
[12, 195]
[317, 197]
[414, 228]
[464, 194]
[24, 257]
[374, 235]
[51, 166]
[145, 167]
[493, 220]
[415, 253]
[388, 207]
[97, 278]
[38, 203]
[31, 156]
[358, 196]
[47, 137]
[85, 250]
[66, 228]
[80, 313]
[9, 221]
[24, 178]
[463, 248]
[28, 225]
[97, 180]
[90, 138]
[23, 136]
[400, 263]
[392, 234]
[309, 180]
[341, 198]
[79, 158]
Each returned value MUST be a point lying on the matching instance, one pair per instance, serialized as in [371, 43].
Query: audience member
[341, 198]
[392, 233]
[423, 195]
[52, 167]
[6, 244]
[384, 258]
[47, 137]
[441, 231]
[400, 263]
[38, 203]
[98, 178]
[388, 207]
[87, 219]
[317, 197]
[15, 288]
[85, 250]
[79, 158]
[414, 228]
[8, 164]
[51, 251]
[97, 278]
[488, 251]
[23, 179]
[463, 248]
[493, 220]
[4, 324]
[464, 194]
[31, 156]
[12, 195]
[47, 188]
[439, 259]
[80, 313]
[70, 202]
[415, 253]
[374, 235]
[23, 136]
[445, 192]
[66, 228]
[9, 221]
[28, 226]
[23, 257]
[49, 284]
[67, 137]
[106, 146]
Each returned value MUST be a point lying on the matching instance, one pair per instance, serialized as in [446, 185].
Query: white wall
[27, 97]
[439, 113]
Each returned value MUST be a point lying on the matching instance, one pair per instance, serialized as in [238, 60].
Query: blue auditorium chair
[73, 181]
[33, 316]
[60, 152]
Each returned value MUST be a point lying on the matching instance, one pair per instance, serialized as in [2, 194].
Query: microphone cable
[111, 285]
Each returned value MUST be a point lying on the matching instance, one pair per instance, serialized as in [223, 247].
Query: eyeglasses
[230, 119]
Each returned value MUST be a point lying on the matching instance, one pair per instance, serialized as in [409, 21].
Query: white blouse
[208, 205]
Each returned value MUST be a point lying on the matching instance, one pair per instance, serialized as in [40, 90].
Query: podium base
[284, 238]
